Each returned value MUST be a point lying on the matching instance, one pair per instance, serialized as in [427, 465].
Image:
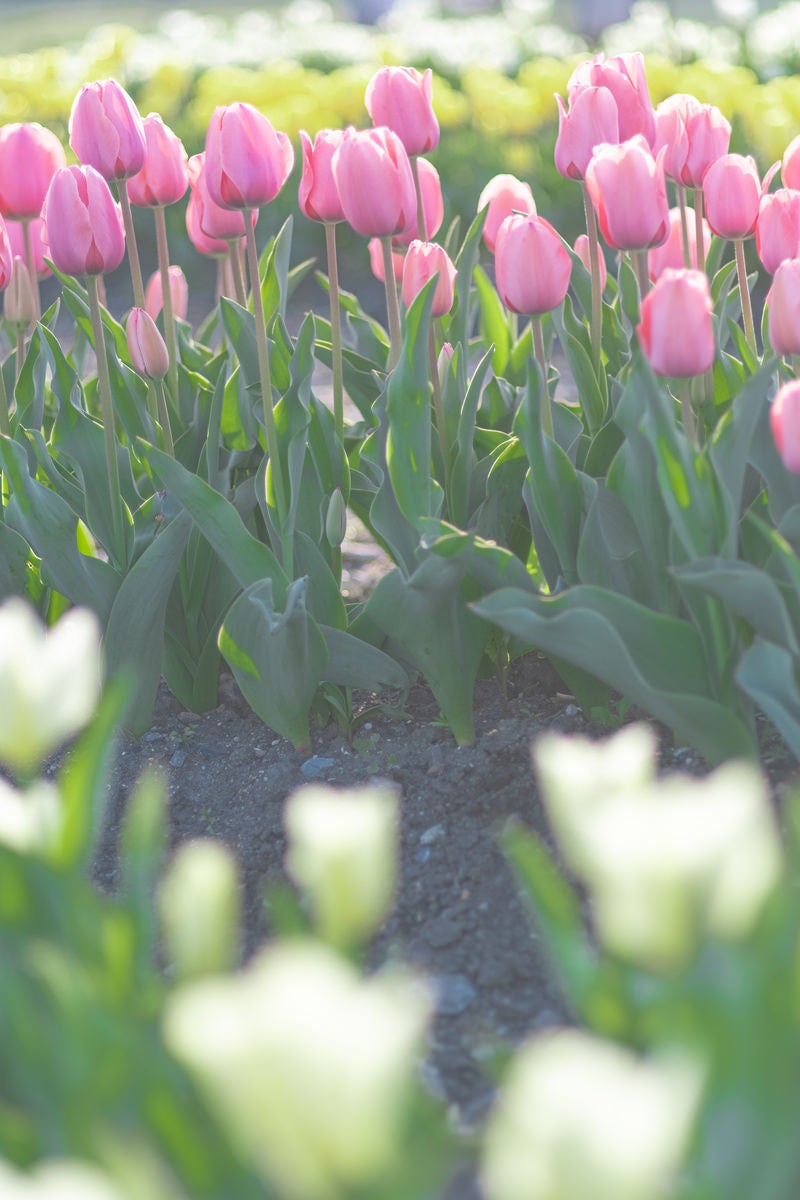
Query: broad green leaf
[768, 674]
[274, 272]
[458, 328]
[494, 321]
[355, 663]
[747, 592]
[458, 500]
[18, 573]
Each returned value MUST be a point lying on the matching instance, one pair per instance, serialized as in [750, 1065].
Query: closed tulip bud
[6, 256]
[532, 265]
[432, 204]
[247, 161]
[106, 131]
[671, 134]
[784, 419]
[29, 157]
[19, 302]
[164, 177]
[624, 77]
[590, 119]
[376, 186]
[336, 519]
[783, 308]
[211, 247]
[443, 361]
[709, 134]
[581, 248]
[84, 227]
[220, 224]
[39, 248]
[318, 195]
[199, 909]
[778, 228]
[504, 195]
[147, 348]
[179, 290]
[629, 192]
[423, 261]
[669, 256]
[790, 166]
[732, 191]
[376, 261]
[400, 98]
[676, 333]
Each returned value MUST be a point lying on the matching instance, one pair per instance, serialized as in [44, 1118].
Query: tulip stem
[744, 295]
[538, 345]
[422, 227]
[5, 423]
[639, 258]
[163, 417]
[687, 249]
[130, 243]
[270, 429]
[336, 329]
[392, 304]
[700, 245]
[107, 412]
[20, 349]
[31, 265]
[439, 410]
[687, 414]
[166, 293]
[596, 331]
[237, 274]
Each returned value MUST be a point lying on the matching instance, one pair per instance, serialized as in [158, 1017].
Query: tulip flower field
[589, 451]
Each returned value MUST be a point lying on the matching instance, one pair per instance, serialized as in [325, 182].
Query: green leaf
[457, 328]
[768, 674]
[747, 592]
[353, 662]
[494, 321]
[590, 392]
[17, 569]
[274, 272]
[458, 500]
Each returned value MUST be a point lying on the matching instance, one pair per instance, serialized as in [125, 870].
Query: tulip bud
[778, 228]
[400, 98]
[432, 204]
[669, 255]
[38, 239]
[591, 119]
[179, 290]
[423, 261]
[19, 303]
[29, 157]
[147, 348]
[676, 333]
[164, 176]
[581, 248]
[247, 161]
[84, 226]
[375, 183]
[199, 908]
[318, 195]
[624, 77]
[336, 519]
[784, 419]
[629, 192]
[790, 166]
[222, 225]
[732, 191]
[106, 131]
[532, 265]
[504, 194]
[443, 361]
[376, 261]
[783, 308]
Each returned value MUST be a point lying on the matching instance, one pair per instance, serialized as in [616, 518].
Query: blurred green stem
[336, 329]
[639, 258]
[392, 304]
[744, 295]
[422, 228]
[163, 418]
[107, 411]
[700, 246]
[687, 249]
[538, 345]
[20, 348]
[596, 331]
[684, 388]
[30, 264]
[130, 244]
[439, 410]
[236, 272]
[5, 424]
[166, 291]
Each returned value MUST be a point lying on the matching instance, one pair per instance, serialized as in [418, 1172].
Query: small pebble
[315, 767]
[178, 759]
[571, 710]
[432, 835]
[455, 993]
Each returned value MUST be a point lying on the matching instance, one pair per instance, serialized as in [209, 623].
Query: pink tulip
[504, 194]
[581, 248]
[732, 190]
[423, 261]
[106, 131]
[318, 195]
[147, 348]
[83, 224]
[790, 166]
[376, 186]
[211, 247]
[591, 118]
[220, 224]
[669, 256]
[164, 176]
[6, 256]
[624, 77]
[778, 228]
[29, 156]
[629, 192]
[247, 161]
[532, 265]
[676, 333]
[709, 134]
[671, 134]
[376, 261]
[432, 204]
[179, 289]
[19, 304]
[783, 308]
[400, 98]
[36, 232]
[784, 419]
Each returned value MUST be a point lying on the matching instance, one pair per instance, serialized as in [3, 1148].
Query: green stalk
[130, 243]
[392, 305]
[236, 271]
[687, 249]
[166, 290]
[5, 423]
[20, 348]
[438, 407]
[639, 259]
[596, 331]
[266, 390]
[31, 265]
[687, 414]
[163, 417]
[107, 411]
[698, 229]
[744, 295]
[541, 358]
[422, 226]
[336, 329]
